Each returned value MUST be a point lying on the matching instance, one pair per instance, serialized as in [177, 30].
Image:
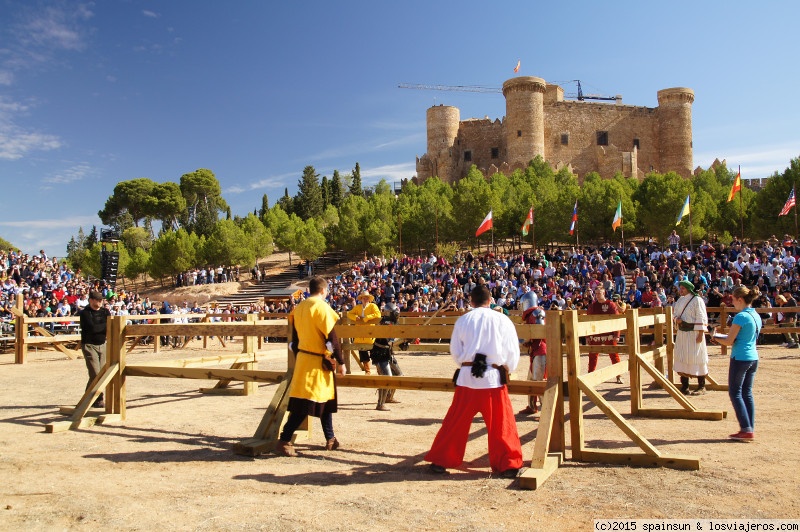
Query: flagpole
[622, 225]
[533, 231]
[795, 212]
[691, 244]
[741, 202]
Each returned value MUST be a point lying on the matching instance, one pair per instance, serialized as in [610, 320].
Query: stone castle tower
[586, 136]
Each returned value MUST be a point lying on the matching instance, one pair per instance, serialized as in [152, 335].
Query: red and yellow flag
[737, 186]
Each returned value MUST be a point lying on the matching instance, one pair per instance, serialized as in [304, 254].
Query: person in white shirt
[485, 346]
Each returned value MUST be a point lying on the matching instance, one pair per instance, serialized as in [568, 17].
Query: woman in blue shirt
[744, 360]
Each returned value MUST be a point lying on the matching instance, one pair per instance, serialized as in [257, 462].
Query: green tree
[472, 200]
[136, 237]
[282, 226]
[5, 245]
[309, 240]
[258, 235]
[264, 207]
[352, 222]
[138, 264]
[356, 189]
[130, 197]
[660, 198]
[167, 204]
[308, 203]
[325, 188]
[337, 191]
[286, 202]
[174, 252]
[204, 202]
[598, 204]
[228, 245]
[771, 199]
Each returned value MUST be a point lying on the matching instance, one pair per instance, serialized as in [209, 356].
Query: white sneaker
[785, 344]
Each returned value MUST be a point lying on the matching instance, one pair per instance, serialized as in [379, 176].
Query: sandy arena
[170, 465]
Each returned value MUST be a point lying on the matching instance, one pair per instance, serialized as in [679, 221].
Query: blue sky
[99, 92]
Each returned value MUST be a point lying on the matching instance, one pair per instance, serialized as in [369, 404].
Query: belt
[495, 366]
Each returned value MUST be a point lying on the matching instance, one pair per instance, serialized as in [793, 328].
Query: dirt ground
[170, 465]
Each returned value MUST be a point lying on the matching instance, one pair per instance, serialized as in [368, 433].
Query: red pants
[606, 340]
[505, 451]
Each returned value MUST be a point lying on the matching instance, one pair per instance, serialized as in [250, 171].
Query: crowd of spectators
[638, 275]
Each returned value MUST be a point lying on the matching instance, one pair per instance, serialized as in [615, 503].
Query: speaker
[109, 264]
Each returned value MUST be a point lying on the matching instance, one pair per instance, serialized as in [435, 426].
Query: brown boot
[285, 448]
[332, 444]
[367, 369]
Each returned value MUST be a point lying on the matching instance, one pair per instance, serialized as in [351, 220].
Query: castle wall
[538, 121]
[581, 121]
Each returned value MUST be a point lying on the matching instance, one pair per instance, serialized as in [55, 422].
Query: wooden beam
[689, 463]
[599, 324]
[533, 477]
[618, 420]
[206, 329]
[541, 445]
[605, 373]
[205, 373]
[198, 362]
[675, 413]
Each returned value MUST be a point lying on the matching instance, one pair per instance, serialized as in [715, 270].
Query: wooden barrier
[562, 332]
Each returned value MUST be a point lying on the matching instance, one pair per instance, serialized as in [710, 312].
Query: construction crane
[580, 96]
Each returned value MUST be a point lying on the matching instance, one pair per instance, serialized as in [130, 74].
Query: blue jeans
[619, 285]
[740, 389]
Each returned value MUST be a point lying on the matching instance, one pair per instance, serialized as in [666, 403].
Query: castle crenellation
[585, 136]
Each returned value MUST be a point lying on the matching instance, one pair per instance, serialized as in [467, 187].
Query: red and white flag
[527, 223]
[516, 68]
[789, 204]
[486, 224]
[574, 218]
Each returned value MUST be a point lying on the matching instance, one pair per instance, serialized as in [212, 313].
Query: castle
[583, 136]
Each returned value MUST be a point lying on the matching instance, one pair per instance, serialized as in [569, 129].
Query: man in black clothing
[94, 318]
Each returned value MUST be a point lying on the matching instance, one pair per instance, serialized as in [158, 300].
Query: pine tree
[326, 192]
[308, 202]
[264, 206]
[286, 203]
[356, 188]
[92, 239]
[336, 190]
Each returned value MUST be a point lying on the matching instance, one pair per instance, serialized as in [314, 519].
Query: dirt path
[170, 466]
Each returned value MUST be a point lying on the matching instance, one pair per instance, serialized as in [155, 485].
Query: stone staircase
[282, 283]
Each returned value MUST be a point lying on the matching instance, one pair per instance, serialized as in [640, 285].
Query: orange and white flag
[516, 68]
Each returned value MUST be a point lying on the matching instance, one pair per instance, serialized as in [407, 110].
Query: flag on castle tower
[617, 217]
[574, 218]
[789, 204]
[737, 186]
[486, 224]
[527, 223]
[684, 211]
[516, 68]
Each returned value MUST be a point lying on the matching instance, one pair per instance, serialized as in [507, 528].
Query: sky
[93, 93]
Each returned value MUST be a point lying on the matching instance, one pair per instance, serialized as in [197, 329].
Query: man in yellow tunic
[312, 391]
[365, 313]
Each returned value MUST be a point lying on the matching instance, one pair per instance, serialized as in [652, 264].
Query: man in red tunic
[601, 305]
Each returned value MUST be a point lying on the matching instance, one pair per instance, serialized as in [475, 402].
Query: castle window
[468, 155]
[495, 153]
[636, 143]
[602, 138]
[565, 139]
[519, 132]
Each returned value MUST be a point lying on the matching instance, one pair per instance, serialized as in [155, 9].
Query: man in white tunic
[484, 345]
[691, 355]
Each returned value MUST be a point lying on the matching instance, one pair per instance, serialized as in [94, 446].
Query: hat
[688, 285]
[365, 295]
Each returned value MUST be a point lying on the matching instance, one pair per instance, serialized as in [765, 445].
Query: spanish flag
[516, 68]
[737, 186]
[617, 217]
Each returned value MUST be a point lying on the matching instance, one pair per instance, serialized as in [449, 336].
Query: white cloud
[57, 28]
[6, 77]
[390, 172]
[51, 235]
[756, 161]
[74, 173]
[15, 144]
[267, 182]
[150, 14]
